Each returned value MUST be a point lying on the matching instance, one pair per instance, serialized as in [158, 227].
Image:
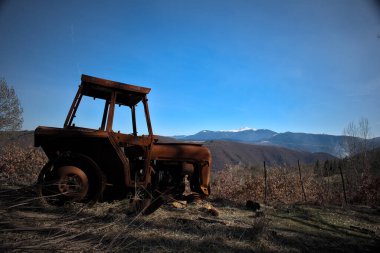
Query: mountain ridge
[310, 142]
[226, 153]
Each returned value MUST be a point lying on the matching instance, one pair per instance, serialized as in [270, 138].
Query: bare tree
[10, 108]
[357, 144]
[357, 137]
[364, 134]
[350, 140]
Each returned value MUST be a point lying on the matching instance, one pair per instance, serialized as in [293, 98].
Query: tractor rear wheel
[68, 181]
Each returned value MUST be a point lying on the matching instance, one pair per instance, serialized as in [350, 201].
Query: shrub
[239, 184]
[20, 165]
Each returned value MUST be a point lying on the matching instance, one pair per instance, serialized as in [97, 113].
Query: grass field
[184, 227]
[281, 226]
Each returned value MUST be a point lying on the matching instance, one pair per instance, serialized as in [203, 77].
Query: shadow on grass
[310, 231]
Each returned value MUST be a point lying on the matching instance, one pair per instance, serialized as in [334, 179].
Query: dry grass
[106, 227]
[239, 184]
[286, 226]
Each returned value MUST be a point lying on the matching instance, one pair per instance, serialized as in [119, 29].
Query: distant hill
[308, 142]
[313, 143]
[24, 138]
[233, 153]
[248, 135]
[247, 154]
[223, 152]
[376, 142]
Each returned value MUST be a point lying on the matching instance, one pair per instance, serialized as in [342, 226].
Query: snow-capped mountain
[243, 134]
[331, 144]
[238, 130]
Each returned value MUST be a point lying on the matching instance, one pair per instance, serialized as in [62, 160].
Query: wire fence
[299, 184]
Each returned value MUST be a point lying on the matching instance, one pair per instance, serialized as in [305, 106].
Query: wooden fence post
[343, 185]
[303, 189]
[265, 184]
[284, 178]
[328, 183]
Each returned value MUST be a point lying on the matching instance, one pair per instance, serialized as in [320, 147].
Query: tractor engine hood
[187, 152]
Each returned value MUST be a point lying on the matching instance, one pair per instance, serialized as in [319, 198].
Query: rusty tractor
[91, 164]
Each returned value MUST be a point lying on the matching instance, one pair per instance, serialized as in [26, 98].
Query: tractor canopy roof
[126, 94]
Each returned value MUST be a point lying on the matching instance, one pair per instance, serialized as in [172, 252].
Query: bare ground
[183, 228]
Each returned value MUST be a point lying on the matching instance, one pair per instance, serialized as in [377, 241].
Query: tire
[70, 179]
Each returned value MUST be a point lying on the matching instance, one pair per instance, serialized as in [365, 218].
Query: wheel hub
[72, 182]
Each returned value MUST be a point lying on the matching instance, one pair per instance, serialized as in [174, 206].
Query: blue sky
[299, 65]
